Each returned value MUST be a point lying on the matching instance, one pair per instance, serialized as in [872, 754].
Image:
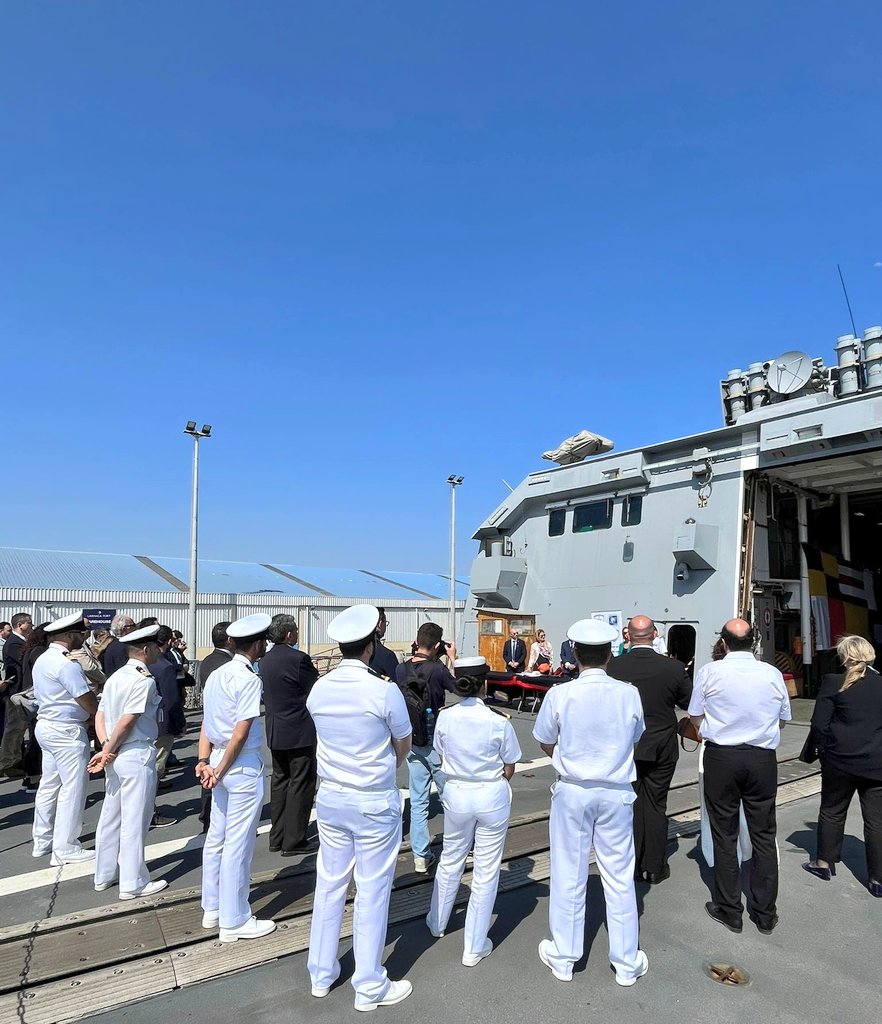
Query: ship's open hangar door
[817, 560]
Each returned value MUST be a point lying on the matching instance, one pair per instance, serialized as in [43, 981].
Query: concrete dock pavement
[818, 967]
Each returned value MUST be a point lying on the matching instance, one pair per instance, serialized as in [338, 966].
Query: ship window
[597, 515]
[632, 509]
[557, 520]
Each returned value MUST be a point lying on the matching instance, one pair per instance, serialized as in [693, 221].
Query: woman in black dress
[847, 728]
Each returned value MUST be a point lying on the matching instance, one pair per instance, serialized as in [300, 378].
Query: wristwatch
[203, 760]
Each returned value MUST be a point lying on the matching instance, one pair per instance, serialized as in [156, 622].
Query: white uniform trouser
[236, 803]
[129, 793]
[583, 815]
[359, 831]
[474, 813]
[61, 797]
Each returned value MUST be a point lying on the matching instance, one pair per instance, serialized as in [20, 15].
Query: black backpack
[418, 700]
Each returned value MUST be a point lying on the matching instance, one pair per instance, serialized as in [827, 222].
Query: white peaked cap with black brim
[474, 666]
[356, 623]
[68, 623]
[250, 627]
[592, 632]
[141, 636]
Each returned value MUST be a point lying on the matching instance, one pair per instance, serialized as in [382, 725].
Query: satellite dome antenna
[789, 373]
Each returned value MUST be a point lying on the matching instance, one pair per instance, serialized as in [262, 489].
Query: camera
[442, 649]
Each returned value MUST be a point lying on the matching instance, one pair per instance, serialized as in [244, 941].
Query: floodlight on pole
[197, 436]
[454, 482]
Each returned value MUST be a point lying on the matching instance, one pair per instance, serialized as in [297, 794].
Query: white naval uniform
[130, 778]
[474, 744]
[232, 694]
[356, 715]
[594, 721]
[61, 733]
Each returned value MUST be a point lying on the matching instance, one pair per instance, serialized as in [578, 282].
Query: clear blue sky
[377, 243]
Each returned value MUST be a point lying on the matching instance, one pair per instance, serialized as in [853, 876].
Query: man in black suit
[13, 722]
[383, 661]
[663, 685]
[569, 665]
[223, 651]
[514, 652]
[288, 676]
[116, 654]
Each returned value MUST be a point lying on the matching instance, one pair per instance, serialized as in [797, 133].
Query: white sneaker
[41, 851]
[319, 993]
[397, 993]
[210, 919]
[437, 934]
[473, 959]
[252, 929]
[422, 864]
[150, 889]
[104, 886]
[545, 947]
[643, 960]
[72, 857]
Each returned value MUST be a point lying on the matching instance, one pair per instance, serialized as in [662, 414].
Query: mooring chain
[29, 947]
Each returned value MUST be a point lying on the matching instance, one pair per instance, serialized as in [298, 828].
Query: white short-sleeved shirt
[742, 701]
[232, 694]
[473, 742]
[595, 722]
[356, 716]
[58, 681]
[131, 690]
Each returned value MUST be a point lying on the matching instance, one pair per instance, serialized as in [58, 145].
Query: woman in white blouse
[478, 752]
[540, 653]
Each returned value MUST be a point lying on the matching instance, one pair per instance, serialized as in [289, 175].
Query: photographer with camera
[423, 681]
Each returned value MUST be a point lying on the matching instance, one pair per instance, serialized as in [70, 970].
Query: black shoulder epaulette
[143, 670]
[378, 675]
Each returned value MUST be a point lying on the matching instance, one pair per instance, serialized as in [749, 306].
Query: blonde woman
[847, 728]
[540, 653]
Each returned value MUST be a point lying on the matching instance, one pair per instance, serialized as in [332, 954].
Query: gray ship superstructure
[699, 529]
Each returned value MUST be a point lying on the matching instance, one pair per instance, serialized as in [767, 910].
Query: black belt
[734, 746]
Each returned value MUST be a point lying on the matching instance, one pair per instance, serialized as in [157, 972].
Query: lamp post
[454, 482]
[197, 436]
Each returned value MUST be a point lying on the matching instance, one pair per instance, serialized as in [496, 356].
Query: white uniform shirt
[473, 742]
[58, 681]
[742, 701]
[595, 722]
[356, 716]
[232, 694]
[131, 690]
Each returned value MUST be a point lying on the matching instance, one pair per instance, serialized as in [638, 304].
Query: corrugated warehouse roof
[79, 570]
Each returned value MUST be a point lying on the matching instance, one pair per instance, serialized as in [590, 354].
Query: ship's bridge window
[596, 515]
[632, 509]
[557, 521]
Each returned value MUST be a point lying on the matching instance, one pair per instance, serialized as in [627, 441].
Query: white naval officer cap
[250, 626]
[141, 636]
[474, 666]
[593, 632]
[354, 624]
[67, 623]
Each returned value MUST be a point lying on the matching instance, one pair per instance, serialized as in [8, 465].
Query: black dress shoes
[639, 876]
[655, 877]
[307, 846]
[720, 917]
[765, 927]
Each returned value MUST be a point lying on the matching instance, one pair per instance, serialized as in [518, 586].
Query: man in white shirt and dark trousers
[588, 727]
[66, 702]
[740, 705]
[364, 734]
[231, 765]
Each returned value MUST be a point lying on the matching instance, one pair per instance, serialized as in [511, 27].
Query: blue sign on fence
[99, 618]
